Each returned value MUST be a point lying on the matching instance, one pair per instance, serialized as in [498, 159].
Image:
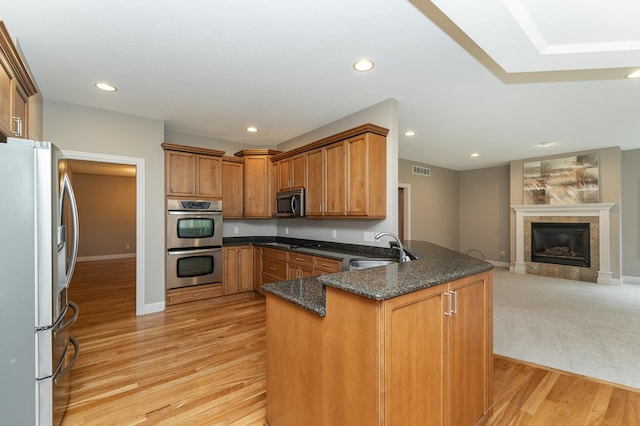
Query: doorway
[404, 211]
[139, 165]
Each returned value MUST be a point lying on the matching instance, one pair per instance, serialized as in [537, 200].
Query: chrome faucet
[403, 256]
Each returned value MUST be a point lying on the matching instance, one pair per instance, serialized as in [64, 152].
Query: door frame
[140, 205]
[407, 209]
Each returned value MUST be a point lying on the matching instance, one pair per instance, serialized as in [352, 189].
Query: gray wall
[435, 204]
[91, 130]
[107, 206]
[384, 114]
[484, 212]
[630, 217]
[610, 187]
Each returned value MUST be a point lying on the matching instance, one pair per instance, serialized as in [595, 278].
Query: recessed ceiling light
[363, 65]
[544, 144]
[106, 87]
[409, 133]
[475, 154]
[252, 129]
[634, 74]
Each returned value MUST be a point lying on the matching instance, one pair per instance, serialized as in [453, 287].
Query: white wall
[78, 128]
[384, 114]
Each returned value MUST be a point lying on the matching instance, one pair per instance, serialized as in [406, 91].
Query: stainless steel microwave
[290, 203]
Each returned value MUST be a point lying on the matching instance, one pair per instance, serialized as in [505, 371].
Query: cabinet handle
[448, 309]
[271, 268]
[455, 302]
[18, 121]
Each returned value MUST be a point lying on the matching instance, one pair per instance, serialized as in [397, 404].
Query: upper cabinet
[257, 199]
[232, 187]
[16, 87]
[347, 178]
[192, 172]
[290, 173]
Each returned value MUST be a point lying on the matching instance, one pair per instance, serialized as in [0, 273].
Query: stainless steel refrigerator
[38, 250]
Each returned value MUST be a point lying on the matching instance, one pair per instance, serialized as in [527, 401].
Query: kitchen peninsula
[408, 343]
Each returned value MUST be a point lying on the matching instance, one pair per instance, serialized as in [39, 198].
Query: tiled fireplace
[572, 226]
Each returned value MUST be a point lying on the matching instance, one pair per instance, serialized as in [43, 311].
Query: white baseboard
[151, 308]
[499, 264]
[630, 280]
[106, 257]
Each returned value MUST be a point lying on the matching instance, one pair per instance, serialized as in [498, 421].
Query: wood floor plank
[204, 363]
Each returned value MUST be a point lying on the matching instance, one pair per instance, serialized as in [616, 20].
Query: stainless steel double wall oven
[194, 242]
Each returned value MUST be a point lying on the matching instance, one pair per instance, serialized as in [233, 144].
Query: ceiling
[491, 77]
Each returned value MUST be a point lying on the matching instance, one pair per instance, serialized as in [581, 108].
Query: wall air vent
[423, 171]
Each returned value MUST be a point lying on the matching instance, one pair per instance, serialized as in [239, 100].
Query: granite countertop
[437, 265]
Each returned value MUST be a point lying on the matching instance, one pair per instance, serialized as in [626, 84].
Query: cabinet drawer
[301, 259]
[197, 292]
[327, 265]
[274, 268]
[274, 254]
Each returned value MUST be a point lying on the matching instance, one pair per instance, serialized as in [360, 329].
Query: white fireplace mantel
[597, 209]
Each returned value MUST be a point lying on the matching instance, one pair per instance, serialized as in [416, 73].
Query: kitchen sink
[370, 263]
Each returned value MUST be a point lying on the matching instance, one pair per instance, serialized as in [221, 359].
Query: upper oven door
[187, 229]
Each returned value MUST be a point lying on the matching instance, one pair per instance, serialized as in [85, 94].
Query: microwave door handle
[66, 187]
[293, 205]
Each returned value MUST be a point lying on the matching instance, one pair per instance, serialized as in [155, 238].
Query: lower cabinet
[237, 269]
[424, 358]
[450, 327]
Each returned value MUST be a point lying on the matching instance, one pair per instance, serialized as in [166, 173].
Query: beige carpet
[583, 328]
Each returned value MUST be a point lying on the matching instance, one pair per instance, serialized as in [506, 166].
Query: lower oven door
[193, 267]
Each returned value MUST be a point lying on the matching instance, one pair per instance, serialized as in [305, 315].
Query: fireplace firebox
[560, 243]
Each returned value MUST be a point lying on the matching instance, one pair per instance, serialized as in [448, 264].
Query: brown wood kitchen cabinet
[16, 86]
[348, 178]
[423, 358]
[257, 198]
[192, 171]
[290, 173]
[237, 272]
[232, 187]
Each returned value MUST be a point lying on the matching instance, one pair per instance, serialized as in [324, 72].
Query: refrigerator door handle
[72, 321]
[76, 351]
[66, 187]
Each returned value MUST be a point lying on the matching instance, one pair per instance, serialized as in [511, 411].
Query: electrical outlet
[127, 247]
[502, 253]
[236, 229]
[334, 234]
[369, 236]
[286, 230]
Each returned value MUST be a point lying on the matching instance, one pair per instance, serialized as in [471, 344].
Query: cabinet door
[335, 174]
[232, 189]
[315, 182]
[470, 363]
[257, 172]
[180, 172]
[5, 101]
[245, 268]
[366, 176]
[230, 268]
[297, 166]
[415, 352]
[209, 176]
[282, 174]
[19, 102]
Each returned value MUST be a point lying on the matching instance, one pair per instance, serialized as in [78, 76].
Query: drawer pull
[195, 295]
[271, 268]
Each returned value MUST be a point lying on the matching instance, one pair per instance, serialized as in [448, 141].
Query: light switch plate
[369, 236]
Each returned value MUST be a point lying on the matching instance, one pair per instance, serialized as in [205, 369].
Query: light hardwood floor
[203, 363]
